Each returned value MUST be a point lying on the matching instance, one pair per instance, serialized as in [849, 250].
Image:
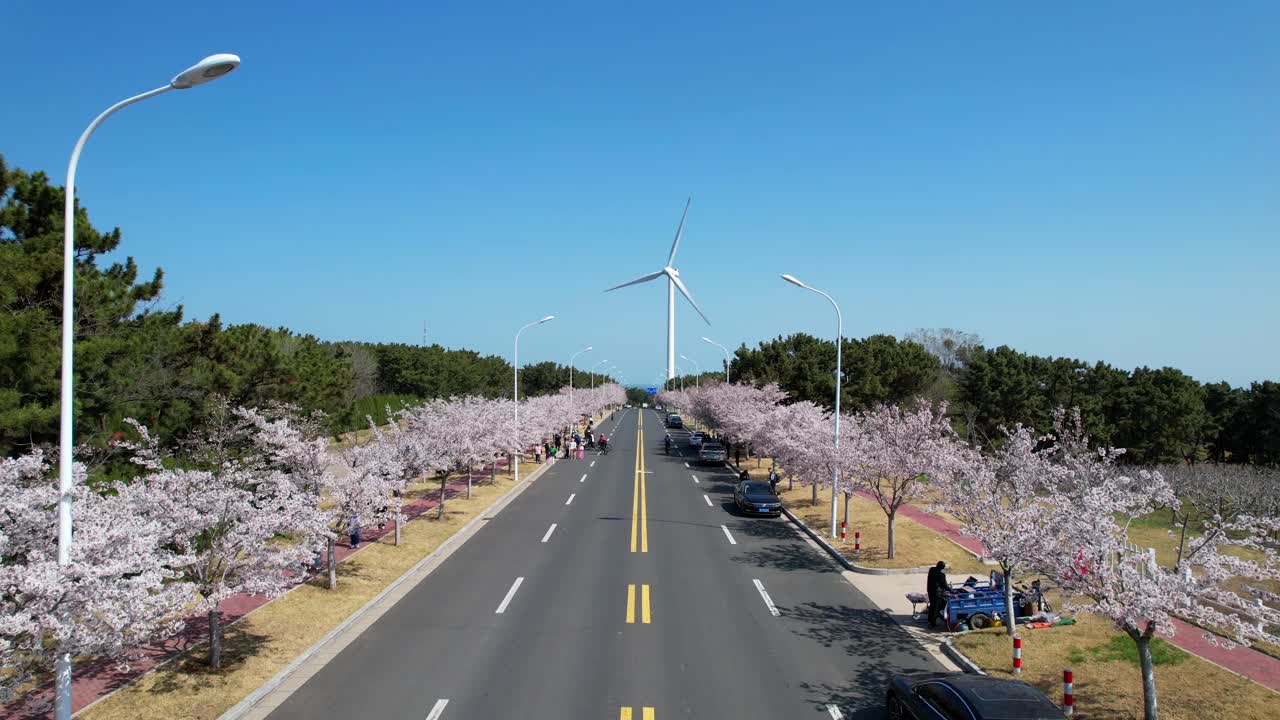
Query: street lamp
[515, 394]
[835, 472]
[210, 68]
[571, 358]
[697, 365]
[724, 350]
[593, 374]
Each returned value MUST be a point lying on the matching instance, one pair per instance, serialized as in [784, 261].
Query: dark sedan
[960, 696]
[755, 498]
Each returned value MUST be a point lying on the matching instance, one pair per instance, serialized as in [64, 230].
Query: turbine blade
[637, 281]
[685, 291]
[679, 232]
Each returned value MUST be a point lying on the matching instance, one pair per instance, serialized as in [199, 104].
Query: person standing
[773, 480]
[537, 453]
[353, 527]
[573, 449]
[936, 588]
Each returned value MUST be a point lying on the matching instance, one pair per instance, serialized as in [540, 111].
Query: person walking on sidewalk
[936, 588]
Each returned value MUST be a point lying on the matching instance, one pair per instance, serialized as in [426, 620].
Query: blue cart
[979, 603]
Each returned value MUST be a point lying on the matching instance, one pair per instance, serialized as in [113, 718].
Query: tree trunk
[1148, 670]
[443, 479]
[815, 494]
[1010, 621]
[891, 516]
[215, 639]
[468, 481]
[333, 564]
[493, 472]
[1182, 541]
[397, 522]
[846, 510]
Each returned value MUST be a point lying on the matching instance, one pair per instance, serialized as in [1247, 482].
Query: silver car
[712, 452]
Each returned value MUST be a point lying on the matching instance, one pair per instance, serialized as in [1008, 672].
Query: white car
[695, 439]
[644, 405]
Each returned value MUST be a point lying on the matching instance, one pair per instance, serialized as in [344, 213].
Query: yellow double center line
[639, 511]
[645, 616]
[646, 713]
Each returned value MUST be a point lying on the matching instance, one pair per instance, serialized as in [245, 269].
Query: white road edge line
[834, 712]
[708, 499]
[512, 593]
[773, 610]
[549, 531]
[583, 478]
[571, 497]
[437, 710]
[726, 534]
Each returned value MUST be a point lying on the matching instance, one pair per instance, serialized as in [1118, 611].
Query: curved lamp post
[515, 394]
[724, 350]
[593, 373]
[571, 359]
[835, 473]
[210, 68]
[697, 365]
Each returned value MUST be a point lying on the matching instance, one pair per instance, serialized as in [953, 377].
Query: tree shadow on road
[877, 647]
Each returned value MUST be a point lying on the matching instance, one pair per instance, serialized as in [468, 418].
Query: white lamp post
[593, 374]
[697, 365]
[515, 394]
[210, 68]
[571, 359]
[835, 473]
[724, 350]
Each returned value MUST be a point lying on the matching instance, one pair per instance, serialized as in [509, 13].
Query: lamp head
[792, 279]
[210, 68]
[546, 319]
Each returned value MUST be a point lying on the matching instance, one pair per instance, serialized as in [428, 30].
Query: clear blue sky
[1088, 180]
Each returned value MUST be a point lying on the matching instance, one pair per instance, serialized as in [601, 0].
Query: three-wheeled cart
[978, 603]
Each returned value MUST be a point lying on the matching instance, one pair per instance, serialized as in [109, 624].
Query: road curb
[950, 650]
[844, 561]
[437, 556]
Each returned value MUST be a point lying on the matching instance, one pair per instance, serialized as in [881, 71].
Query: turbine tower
[673, 284]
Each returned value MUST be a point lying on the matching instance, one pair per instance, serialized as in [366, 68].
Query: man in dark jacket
[936, 588]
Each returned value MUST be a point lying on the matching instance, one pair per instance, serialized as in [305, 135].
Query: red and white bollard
[1068, 693]
[857, 541]
[844, 531]
[1017, 655]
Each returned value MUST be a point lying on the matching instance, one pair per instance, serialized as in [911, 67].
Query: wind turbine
[673, 284]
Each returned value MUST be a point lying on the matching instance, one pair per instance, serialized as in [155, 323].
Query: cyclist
[604, 444]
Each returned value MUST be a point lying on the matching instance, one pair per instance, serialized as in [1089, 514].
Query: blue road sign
[653, 391]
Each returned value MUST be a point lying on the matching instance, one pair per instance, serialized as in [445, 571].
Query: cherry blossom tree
[117, 593]
[900, 450]
[1085, 546]
[998, 499]
[235, 523]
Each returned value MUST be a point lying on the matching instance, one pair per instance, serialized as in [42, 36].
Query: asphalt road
[646, 601]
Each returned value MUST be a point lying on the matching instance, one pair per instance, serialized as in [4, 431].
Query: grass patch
[1108, 684]
[259, 646]
[916, 545]
[1123, 649]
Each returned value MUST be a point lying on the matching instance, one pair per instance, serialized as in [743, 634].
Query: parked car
[695, 439]
[712, 452]
[961, 696]
[755, 498]
[675, 421]
[644, 405]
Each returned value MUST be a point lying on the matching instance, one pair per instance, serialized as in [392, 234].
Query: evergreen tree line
[137, 358]
[1160, 415]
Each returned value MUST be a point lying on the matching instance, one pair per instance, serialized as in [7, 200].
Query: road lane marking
[644, 604]
[834, 712]
[726, 534]
[648, 714]
[686, 464]
[631, 604]
[639, 501]
[549, 531]
[571, 497]
[593, 464]
[773, 610]
[708, 499]
[625, 714]
[437, 710]
[695, 478]
[510, 594]
[583, 478]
